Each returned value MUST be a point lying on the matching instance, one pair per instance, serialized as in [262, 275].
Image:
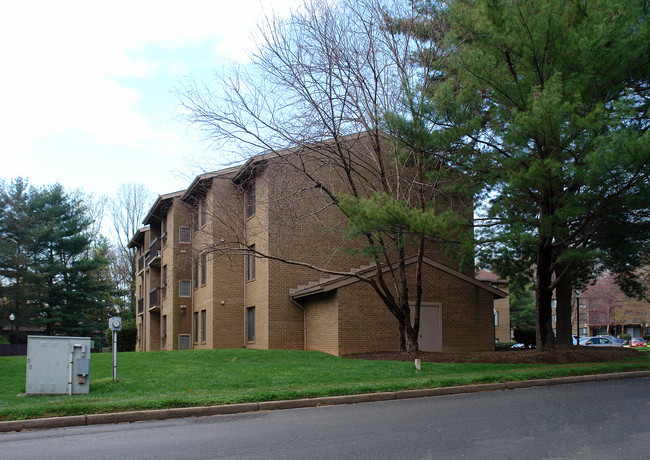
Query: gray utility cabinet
[58, 365]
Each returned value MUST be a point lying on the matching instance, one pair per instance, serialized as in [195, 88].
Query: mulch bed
[559, 356]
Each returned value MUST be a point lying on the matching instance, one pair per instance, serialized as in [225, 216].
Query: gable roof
[161, 205]
[202, 182]
[489, 277]
[337, 281]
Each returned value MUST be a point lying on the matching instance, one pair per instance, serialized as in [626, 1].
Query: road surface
[600, 420]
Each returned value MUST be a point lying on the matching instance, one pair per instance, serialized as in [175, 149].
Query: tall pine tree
[547, 104]
[54, 269]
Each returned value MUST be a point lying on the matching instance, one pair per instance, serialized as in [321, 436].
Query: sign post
[116, 325]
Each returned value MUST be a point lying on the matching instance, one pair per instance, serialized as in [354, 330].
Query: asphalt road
[599, 420]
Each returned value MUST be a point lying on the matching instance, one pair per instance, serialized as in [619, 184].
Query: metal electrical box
[58, 365]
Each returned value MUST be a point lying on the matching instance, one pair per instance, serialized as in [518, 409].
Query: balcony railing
[140, 264]
[154, 252]
[140, 306]
[154, 298]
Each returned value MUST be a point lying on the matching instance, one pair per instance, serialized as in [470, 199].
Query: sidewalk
[163, 414]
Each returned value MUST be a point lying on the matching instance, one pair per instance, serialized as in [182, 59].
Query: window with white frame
[184, 235]
[184, 288]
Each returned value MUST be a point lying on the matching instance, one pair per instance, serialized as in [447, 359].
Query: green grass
[208, 377]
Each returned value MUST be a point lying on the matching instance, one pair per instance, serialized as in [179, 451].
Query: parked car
[613, 339]
[599, 342]
[638, 342]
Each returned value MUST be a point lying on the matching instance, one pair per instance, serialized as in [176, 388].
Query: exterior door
[430, 327]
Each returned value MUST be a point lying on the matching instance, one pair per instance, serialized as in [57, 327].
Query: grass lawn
[209, 377]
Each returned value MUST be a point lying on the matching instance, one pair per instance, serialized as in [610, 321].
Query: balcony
[153, 256]
[140, 306]
[140, 265]
[154, 299]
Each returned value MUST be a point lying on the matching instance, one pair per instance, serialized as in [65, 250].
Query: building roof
[488, 277]
[337, 281]
[138, 238]
[162, 204]
[201, 182]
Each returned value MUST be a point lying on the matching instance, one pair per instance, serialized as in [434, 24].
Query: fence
[17, 349]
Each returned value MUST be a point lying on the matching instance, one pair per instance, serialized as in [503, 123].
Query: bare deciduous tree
[128, 209]
[322, 75]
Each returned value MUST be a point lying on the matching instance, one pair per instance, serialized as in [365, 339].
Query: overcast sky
[86, 87]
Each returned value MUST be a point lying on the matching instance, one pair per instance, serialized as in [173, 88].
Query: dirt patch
[559, 356]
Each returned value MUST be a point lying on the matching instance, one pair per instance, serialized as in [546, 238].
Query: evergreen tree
[16, 275]
[54, 269]
[546, 104]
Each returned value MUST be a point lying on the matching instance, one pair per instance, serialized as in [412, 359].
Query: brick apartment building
[502, 331]
[200, 286]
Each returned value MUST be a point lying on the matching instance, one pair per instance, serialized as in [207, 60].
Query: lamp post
[577, 317]
[12, 317]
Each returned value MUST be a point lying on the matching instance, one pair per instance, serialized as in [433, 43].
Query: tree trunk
[402, 337]
[544, 296]
[412, 340]
[563, 324]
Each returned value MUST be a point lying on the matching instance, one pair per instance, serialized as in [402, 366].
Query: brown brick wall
[321, 323]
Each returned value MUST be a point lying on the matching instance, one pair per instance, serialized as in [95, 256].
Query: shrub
[126, 338]
[501, 346]
[525, 335]
[625, 336]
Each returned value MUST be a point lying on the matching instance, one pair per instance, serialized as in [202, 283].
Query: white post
[114, 356]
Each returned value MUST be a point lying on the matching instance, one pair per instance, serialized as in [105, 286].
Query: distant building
[502, 330]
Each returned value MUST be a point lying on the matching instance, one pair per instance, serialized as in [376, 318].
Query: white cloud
[85, 80]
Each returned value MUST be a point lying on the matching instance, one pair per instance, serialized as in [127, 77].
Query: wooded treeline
[56, 272]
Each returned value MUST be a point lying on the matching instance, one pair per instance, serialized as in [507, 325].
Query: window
[196, 273]
[184, 235]
[203, 315]
[496, 318]
[184, 288]
[163, 282]
[196, 326]
[203, 212]
[204, 276]
[195, 217]
[184, 342]
[163, 230]
[250, 320]
[163, 332]
[250, 263]
[250, 199]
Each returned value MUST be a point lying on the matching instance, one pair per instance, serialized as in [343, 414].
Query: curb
[227, 409]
